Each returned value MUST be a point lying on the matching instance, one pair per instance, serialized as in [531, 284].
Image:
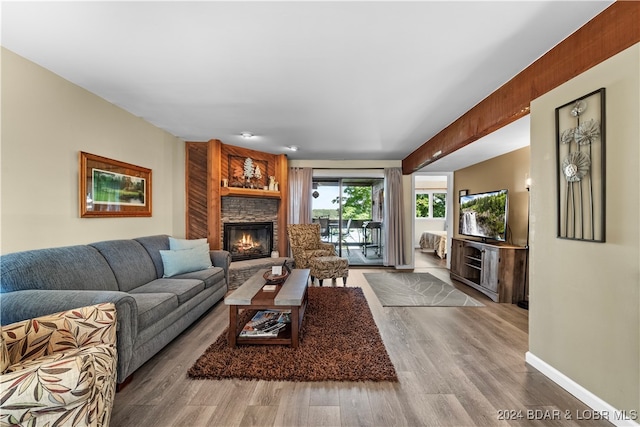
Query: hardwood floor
[458, 366]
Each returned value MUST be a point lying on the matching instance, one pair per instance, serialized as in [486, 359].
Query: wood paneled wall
[197, 190]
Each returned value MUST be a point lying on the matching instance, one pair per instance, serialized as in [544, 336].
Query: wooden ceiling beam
[609, 33]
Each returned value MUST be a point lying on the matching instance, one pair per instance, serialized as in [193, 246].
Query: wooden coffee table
[292, 295]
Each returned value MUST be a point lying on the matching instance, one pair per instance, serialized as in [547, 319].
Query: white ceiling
[341, 80]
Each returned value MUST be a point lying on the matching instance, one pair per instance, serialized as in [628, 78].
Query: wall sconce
[527, 183]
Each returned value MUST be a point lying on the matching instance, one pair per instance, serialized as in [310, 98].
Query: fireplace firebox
[248, 240]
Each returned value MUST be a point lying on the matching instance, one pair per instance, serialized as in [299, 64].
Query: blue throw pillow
[185, 260]
[178, 244]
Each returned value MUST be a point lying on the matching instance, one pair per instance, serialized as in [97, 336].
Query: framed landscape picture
[110, 188]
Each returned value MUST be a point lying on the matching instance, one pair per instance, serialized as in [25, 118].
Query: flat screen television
[484, 215]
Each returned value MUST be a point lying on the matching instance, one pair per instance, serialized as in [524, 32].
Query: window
[422, 205]
[431, 204]
[439, 205]
[343, 206]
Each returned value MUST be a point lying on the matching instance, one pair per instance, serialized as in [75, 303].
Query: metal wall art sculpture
[580, 153]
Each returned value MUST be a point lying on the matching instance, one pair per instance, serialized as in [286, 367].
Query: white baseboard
[600, 407]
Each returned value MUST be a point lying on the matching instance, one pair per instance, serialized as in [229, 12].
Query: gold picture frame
[110, 188]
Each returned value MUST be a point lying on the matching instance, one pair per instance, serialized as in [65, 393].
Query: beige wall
[46, 121]
[584, 297]
[508, 171]
[407, 196]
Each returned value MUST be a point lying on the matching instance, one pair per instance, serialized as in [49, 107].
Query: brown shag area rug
[339, 342]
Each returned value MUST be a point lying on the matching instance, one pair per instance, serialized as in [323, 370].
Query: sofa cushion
[71, 267]
[210, 276]
[153, 246]
[184, 289]
[75, 385]
[177, 244]
[153, 307]
[185, 260]
[129, 261]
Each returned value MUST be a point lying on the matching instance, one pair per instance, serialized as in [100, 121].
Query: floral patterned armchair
[59, 369]
[305, 243]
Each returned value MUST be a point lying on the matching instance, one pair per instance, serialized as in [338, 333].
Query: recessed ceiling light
[246, 135]
[293, 147]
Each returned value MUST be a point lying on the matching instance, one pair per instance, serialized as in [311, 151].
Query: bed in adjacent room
[436, 241]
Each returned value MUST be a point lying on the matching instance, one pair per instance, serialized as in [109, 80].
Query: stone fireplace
[248, 240]
[242, 210]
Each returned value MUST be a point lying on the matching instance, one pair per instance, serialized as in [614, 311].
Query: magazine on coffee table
[266, 323]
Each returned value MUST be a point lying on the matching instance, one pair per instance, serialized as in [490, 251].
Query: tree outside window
[356, 203]
[422, 205]
[439, 205]
[431, 205]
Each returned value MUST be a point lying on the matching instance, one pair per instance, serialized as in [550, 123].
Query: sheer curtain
[393, 218]
[300, 187]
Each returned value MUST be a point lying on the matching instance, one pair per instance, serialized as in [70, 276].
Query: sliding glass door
[349, 211]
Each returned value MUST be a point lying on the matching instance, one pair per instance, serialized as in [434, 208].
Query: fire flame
[247, 242]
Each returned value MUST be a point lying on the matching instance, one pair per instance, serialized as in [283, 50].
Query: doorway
[350, 213]
[432, 218]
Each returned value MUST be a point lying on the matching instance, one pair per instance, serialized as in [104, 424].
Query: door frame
[344, 174]
[449, 224]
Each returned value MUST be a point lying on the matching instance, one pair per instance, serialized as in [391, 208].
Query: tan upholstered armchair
[59, 369]
[305, 243]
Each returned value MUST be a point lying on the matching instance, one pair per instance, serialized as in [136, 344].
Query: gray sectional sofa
[151, 309]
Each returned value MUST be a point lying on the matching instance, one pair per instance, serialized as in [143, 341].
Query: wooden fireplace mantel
[207, 164]
[249, 192]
